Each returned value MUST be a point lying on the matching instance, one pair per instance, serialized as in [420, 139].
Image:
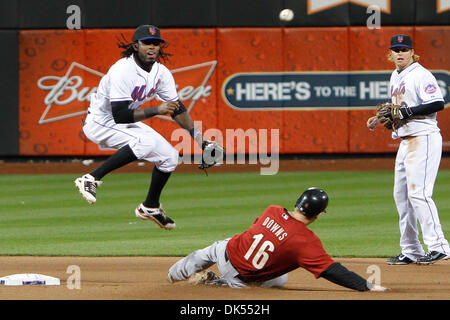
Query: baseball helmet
[312, 202]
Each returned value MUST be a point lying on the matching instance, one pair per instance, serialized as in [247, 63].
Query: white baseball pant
[144, 141]
[416, 168]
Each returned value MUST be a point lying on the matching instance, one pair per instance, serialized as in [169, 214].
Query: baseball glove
[389, 116]
[212, 154]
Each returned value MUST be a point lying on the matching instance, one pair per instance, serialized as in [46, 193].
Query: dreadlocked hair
[129, 50]
[122, 43]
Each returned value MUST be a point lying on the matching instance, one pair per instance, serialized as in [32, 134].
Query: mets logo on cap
[152, 31]
[400, 38]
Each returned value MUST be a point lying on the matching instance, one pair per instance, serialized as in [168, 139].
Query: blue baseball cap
[401, 40]
[147, 31]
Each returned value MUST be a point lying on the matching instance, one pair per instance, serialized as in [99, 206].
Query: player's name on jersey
[313, 90]
[275, 228]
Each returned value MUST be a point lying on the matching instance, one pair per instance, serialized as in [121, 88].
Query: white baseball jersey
[414, 86]
[126, 81]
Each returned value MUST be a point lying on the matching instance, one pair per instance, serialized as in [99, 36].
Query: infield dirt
[144, 278]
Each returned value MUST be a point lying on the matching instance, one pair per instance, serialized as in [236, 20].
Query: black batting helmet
[312, 202]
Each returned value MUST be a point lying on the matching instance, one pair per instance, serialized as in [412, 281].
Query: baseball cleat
[432, 257]
[87, 185]
[157, 215]
[401, 259]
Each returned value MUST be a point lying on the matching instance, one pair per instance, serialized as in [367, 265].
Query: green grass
[45, 214]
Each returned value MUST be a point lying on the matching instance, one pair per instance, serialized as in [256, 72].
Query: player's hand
[378, 288]
[168, 107]
[372, 123]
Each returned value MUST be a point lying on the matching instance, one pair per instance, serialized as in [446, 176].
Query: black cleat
[157, 215]
[400, 259]
[432, 257]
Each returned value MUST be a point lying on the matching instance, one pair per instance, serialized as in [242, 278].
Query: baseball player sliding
[278, 242]
[114, 120]
[416, 98]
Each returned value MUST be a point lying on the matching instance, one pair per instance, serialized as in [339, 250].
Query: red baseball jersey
[275, 244]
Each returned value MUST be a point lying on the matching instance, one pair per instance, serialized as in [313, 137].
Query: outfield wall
[307, 86]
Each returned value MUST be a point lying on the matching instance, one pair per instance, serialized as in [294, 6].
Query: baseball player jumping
[278, 242]
[114, 120]
[417, 97]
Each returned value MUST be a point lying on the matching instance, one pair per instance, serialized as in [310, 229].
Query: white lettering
[74, 280]
[284, 89]
[191, 309]
[242, 92]
[302, 91]
[64, 90]
[373, 21]
[344, 91]
[74, 20]
[322, 91]
[375, 90]
[284, 235]
[275, 227]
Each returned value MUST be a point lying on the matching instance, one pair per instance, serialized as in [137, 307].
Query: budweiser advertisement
[314, 87]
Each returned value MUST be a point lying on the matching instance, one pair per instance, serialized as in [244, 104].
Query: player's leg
[409, 234]
[194, 265]
[122, 157]
[276, 282]
[158, 181]
[197, 261]
[109, 135]
[152, 147]
[422, 172]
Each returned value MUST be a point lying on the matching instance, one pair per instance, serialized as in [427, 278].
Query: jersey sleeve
[313, 257]
[167, 90]
[120, 84]
[428, 89]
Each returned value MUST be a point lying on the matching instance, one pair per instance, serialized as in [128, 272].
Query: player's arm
[167, 91]
[122, 114]
[184, 120]
[428, 92]
[340, 275]
[421, 110]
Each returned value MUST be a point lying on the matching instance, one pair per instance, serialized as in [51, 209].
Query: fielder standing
[416, 91]
[277, 243]
[114, 120]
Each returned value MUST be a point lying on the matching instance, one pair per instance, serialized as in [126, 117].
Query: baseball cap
[147, 31]
[401, 40]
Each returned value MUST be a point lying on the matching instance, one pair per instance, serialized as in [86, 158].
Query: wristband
[194, 131]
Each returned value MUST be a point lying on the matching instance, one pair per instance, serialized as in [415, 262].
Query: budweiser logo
[315, 6]
[68, 96]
